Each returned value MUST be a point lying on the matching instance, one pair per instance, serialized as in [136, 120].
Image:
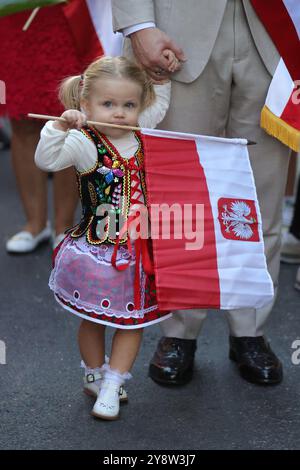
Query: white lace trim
[113, 325]
[93, 309]
[114, 375]
[100, 253]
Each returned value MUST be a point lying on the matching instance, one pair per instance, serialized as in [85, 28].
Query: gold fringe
[279, 129]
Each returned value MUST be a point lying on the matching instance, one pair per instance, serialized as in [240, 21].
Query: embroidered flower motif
[109, 173]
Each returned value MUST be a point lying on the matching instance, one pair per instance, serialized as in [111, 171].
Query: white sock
[114, 376]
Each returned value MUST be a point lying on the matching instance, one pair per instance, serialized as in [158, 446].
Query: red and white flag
[207, 183]
[90, 22]
[281, 113]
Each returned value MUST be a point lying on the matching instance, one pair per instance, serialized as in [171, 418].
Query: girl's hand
[148, 45]
[74, 120]
[173, 62]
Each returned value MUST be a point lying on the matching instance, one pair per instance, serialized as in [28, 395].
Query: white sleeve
[138, 27]
[58, 150]
[155, 113]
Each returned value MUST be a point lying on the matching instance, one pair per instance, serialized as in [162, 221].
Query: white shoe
[91, 388]
[56, 239]
[290, 250]
[25, 242]
[107, 405]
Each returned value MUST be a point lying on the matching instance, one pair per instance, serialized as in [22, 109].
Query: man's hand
[148, 45]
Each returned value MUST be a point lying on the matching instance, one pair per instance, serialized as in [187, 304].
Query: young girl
[97, 276]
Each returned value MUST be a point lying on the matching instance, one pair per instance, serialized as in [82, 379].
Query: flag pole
[92, 123]
[31, 18]
[95, 123]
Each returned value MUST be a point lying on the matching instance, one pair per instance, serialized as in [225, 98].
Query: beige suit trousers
[227, 100]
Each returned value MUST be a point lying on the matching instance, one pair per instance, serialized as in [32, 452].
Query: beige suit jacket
[194, 25]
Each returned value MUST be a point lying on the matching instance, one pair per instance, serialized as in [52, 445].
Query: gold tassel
[279, 129]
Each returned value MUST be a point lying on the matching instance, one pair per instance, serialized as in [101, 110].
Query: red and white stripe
[101, 14]
[90, 22]
[281, 115]
[227, 272]
[293, 9]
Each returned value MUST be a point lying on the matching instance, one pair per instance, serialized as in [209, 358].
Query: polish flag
[281, 113]
[218, 261]
[90, 22]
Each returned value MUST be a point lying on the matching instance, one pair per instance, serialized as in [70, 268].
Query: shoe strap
[91, 378]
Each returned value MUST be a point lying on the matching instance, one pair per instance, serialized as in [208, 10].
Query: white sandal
[92, 383]
[107, 405]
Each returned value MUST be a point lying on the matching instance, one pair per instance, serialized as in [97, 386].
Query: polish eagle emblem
[238, 219]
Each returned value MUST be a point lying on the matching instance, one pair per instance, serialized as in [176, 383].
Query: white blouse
[58, 149]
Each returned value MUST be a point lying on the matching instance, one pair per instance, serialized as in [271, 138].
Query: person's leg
[295, 225]
[31, 181]
[269, 160]
[200, 107]
[91, 341]
[125, 347]
[65, 195]
[292, 245]
[290, 250]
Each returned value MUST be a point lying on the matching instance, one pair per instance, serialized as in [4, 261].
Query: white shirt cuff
[138, 27]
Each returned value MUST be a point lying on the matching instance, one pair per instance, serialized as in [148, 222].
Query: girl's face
[115, 101]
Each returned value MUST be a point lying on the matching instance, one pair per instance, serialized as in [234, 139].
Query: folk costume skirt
[86, 284]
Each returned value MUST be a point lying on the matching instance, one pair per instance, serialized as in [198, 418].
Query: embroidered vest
[108, 182]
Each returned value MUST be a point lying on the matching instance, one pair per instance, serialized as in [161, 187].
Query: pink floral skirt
[85, 283]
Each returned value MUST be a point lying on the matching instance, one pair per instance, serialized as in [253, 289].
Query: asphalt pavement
[42, 405]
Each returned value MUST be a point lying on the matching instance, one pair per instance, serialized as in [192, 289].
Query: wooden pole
[95, 123]
[92, 123]
[31, 18]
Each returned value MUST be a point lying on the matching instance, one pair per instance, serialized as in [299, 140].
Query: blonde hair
[75, 88]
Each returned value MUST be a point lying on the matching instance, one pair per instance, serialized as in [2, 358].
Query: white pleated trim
[114, 325]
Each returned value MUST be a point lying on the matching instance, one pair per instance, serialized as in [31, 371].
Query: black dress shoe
[256, 361]
[173, 360]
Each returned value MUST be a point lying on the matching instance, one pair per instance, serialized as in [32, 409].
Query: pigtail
[70, 92]
[149, 96]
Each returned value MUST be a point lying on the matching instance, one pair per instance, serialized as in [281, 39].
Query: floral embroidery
[108, 182]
